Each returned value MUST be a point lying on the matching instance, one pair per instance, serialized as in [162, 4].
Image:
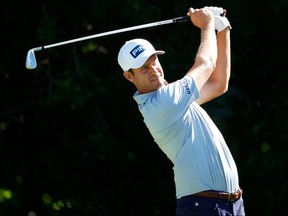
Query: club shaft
[164, 22]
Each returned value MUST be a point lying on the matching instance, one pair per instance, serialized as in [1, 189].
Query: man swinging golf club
[205, 173]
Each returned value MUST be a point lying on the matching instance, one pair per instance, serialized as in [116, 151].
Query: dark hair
[131, 71]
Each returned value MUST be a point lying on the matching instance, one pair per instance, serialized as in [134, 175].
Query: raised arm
[205, 59]
[217, 83]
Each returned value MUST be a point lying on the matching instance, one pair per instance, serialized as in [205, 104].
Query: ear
[129, 76]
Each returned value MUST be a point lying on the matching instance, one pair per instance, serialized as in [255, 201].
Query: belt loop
[229, 196]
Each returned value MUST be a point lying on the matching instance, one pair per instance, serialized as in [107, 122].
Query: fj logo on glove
[137, 51]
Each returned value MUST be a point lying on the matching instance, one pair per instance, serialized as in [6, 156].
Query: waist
[220, 195]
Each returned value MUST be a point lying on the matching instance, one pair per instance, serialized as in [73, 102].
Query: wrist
[221, 23]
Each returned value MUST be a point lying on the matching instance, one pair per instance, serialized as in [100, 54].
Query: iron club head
[31, 60]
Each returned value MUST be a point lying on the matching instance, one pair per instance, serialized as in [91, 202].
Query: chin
[161, 84]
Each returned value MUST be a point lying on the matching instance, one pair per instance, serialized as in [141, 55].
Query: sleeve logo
[185, 85]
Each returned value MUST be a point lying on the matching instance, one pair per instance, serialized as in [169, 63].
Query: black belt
[220, 195]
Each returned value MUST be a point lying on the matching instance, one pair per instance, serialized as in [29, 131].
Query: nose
[153, 72]
[153, 69]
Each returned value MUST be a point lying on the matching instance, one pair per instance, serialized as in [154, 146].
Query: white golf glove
[216, 11]
[221, 22]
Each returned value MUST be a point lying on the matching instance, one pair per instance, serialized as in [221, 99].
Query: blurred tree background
[72, 142]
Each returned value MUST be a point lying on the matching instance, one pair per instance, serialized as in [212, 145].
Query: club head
[31, 60]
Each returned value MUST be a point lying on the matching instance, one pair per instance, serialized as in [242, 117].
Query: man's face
[149, 77]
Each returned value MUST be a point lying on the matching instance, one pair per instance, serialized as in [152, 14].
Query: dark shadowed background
[72, 142]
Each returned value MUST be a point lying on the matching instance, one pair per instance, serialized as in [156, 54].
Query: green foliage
[72, 141]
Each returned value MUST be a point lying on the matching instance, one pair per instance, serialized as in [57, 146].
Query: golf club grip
[182, 19]
[187, 18]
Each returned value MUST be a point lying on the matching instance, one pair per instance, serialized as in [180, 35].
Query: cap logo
[136, 51]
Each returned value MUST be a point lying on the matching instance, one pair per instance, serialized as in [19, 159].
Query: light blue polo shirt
[187, 135]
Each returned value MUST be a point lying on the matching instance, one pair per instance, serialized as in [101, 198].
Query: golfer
[205, 173]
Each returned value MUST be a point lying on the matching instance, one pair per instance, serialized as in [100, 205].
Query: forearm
[206, 56]
[217, 83]
[221, 74]
[207, 50]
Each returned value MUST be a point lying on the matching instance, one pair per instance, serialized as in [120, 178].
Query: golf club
[31, 59]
